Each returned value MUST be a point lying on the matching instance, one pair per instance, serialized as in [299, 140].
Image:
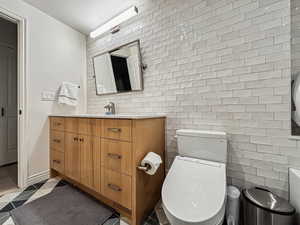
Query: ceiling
[83, 15]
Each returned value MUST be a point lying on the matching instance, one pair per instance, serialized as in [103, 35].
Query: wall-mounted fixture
[113, 24]
[119, 70]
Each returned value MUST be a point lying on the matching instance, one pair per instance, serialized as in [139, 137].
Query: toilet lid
[194, 190]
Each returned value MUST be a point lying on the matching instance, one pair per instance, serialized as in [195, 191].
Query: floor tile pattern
[15, 199]
[8, 178]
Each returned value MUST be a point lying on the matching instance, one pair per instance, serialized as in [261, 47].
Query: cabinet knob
[56, 161]
[56, 140]
[114, 187]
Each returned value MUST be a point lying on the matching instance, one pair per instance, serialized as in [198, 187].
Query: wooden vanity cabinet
[72, 156]
[101, 157]
[86, 161]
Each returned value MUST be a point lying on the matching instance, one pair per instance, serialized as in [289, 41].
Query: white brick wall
[218, 65]
[295, 6]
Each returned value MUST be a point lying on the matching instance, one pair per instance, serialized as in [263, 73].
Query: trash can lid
[267, 200]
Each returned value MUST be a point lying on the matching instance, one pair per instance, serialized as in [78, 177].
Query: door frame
[22, 94]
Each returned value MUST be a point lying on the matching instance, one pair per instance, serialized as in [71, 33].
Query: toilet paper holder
[144, 168]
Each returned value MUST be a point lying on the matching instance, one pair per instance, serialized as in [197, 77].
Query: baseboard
[8, 164]
[38, 177]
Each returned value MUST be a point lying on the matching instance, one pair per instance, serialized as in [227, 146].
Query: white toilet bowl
[194, 191]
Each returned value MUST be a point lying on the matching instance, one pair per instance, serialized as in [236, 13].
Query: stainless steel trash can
[262, 207]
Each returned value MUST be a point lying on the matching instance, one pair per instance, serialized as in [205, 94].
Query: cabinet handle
[56, 140]
[116, 130]
[75, 139]
[57, 124]
[114, 156]
[114, 187]
[56, 161]
[81, 139]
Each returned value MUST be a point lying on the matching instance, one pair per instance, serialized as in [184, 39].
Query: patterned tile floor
[15, 199]
[8, 178]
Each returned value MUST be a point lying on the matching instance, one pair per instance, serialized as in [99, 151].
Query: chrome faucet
[110, 108]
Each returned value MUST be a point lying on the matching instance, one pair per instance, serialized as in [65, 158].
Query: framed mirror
[119, 70]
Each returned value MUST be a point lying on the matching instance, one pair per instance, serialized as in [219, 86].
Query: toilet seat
[194, 191]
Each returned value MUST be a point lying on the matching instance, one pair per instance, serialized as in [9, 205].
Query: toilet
[194, 191]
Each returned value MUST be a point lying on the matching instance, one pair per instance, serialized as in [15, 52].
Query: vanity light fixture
[115, 22]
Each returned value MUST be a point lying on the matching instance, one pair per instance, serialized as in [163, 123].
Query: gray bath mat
[63, 206]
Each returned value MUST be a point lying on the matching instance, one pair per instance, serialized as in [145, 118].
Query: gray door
[8, 105]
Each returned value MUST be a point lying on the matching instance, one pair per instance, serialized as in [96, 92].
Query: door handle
[2, 112]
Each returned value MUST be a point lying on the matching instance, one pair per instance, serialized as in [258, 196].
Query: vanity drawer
[57, 140]
[57, 161]
[116, 155]
[117, 129]
[117, 187]
[57, 123]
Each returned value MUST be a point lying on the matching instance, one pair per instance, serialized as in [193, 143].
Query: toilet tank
[207, 145]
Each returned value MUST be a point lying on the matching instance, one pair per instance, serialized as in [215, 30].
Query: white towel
[68, 94]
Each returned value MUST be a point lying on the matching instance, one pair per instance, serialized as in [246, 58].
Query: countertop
[115, 116]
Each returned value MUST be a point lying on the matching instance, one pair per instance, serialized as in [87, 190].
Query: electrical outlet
[48, 96]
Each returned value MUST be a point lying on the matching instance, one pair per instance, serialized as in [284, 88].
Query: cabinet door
[71, 125]
[84, 126]
[97, 163]
[96, 126]
[72, 156]
[86, 160]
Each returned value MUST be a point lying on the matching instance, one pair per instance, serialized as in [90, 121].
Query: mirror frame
[141, 66]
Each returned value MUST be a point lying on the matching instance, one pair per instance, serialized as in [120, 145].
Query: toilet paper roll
[152, 161]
